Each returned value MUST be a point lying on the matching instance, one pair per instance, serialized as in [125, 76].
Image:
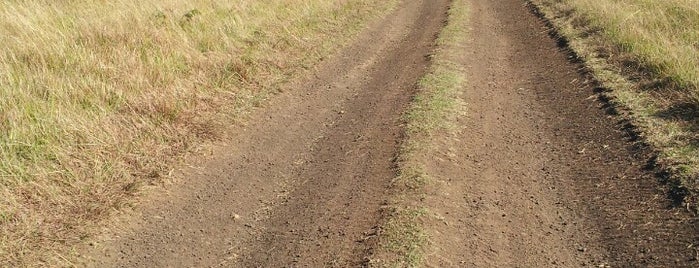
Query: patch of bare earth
[303, 182]
[540, 174]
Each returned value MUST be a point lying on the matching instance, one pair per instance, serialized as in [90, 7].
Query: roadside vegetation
[432, 114]
[98, 98]
[646, 55]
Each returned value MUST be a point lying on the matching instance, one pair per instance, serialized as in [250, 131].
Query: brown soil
[539, 175]
[303, 183]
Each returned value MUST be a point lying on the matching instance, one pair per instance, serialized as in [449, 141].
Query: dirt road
[539, 176]
[304, 181]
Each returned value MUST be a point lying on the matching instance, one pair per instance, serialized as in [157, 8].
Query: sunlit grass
[663, 34]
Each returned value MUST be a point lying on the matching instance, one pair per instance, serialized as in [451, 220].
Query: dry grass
[100, 97]
[664, 35]
[432, 114]
[646, 53]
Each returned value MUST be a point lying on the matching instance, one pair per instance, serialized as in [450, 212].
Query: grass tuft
[404, 237]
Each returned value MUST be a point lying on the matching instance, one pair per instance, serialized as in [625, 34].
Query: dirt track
[540, 176]
[304, 182]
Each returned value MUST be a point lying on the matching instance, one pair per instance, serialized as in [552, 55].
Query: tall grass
[99, 97]
[663, 34]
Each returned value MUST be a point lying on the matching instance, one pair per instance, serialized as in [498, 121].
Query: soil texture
[303, 183]
[541, 174]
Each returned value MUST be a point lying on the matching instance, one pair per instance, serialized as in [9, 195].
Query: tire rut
[302, 184]
[329, 220]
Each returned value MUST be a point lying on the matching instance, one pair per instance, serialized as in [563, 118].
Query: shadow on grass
[688, 112]
[682, 189]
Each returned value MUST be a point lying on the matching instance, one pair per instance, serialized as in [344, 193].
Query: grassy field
[432, 113]
[646, 54]
[663, 35]
[98, 98]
